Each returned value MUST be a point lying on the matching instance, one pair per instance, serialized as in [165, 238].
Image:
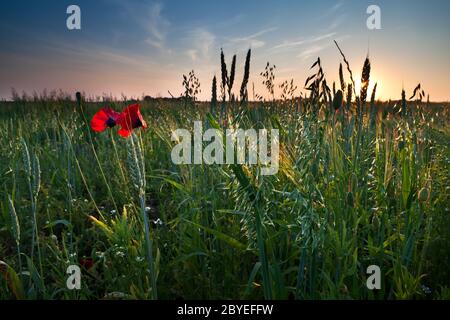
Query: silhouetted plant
[269, 79]
[365, 78]
[214, 95]
[232, 75]
[191, 86]
[244, 92]
[224, 72]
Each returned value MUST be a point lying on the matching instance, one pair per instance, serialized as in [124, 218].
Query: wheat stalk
[137, 169]
[224, 73]
[341, 78]
[365, 78]
[15, 228]
[231, 78]
[243, 92]
[348, 66]
[403, 112]
[213, 95]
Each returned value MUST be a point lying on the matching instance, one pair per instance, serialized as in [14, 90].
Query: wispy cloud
[334, 16]
[336, 6]
[313, 50]
[332, 10]
[295, 43]
[253, 39]
[200, 44]
[255, 35]
[150, 19]
[157, 26]
[336, 22]
[290, 44]
[87, 54]
[317, 48]
[331, 16]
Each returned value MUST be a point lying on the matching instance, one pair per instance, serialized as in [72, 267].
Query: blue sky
[140, 47]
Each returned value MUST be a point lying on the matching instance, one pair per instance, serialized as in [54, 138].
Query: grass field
[365, 185]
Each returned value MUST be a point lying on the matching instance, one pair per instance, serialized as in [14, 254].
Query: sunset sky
[144, 47]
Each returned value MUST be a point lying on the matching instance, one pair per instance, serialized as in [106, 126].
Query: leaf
[316, 63]
[213, 121]
[277, 124]
[177, 185]
[101, 224]
[244, 181]
[37, 279]
[417, 88]
[309, 79]
[12, 279]
[251, 279]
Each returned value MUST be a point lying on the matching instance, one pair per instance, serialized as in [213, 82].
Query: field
[360, 183]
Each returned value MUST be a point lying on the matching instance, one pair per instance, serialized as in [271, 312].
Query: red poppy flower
[105, 118]
[130, 119]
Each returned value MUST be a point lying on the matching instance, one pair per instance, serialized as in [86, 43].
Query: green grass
[308, 232]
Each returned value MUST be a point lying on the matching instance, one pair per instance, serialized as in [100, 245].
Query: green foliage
[354, 188]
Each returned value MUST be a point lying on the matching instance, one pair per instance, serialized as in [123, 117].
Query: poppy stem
[91, 142]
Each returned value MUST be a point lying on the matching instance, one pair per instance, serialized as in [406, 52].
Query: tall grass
[359, 183]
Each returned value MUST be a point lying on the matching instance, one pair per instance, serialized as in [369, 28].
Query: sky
[137, 47]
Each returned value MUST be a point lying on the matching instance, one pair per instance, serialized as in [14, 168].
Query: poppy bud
[87, 263]
[424, 195]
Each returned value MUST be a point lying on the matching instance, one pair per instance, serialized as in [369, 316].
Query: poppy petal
[125, 133]
[104, 118]
[98, 122]
[130, 119]
[143, 123]
[111, 113]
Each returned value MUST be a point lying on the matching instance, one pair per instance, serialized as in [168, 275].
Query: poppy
[87, 263]
[105, 118]
[130, 119]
